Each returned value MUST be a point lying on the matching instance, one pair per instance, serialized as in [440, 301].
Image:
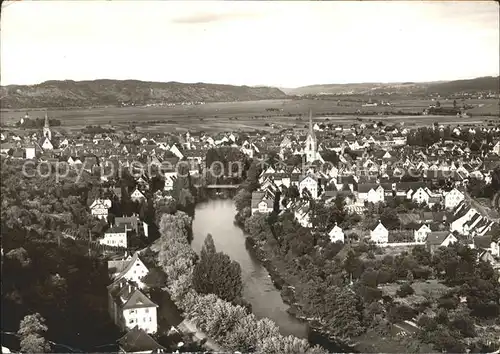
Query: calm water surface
[216, 217]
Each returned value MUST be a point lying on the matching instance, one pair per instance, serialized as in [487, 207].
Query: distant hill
[113, 92]
[441, 87]
[488, 83]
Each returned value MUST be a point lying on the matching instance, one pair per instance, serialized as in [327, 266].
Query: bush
[370, 294]
[422, 273]
[448, 303]
[405, 290]
[465, 325]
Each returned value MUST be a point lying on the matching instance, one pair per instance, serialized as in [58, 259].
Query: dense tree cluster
[31, 330]
[230, 325]
[225, 165]
[46, 276]
[46, 205]
[40, 215]
[427, 136]
[215, 273]
[478, 188]
[322, 272]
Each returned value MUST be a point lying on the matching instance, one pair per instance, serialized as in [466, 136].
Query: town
[375, 192]
[271, 177]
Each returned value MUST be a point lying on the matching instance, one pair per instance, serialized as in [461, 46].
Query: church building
[45, 142]
[311, 149]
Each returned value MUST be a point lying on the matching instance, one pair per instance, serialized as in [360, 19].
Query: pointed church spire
[310, 122]
[46, 128]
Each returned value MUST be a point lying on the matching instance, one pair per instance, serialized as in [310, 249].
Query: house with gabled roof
[116, 236]
[453, 198]
[311, 184]
[133, 223]
[137, 195]
[437, 239]
[421, 234]
[170, 178]
[336, 234]
[379, 234]
[487, 243]
[131, 269]
[465, 218]
[175, 150]
[99, 208]
[496, 148]
[129, 307]
[302, 214]
[261, 202]
[137, 341]
[371, 193]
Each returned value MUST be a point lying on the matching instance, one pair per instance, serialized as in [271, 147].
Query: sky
[282, 44]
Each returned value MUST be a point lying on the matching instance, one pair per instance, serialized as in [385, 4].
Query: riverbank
[216, 217]
[284, 283]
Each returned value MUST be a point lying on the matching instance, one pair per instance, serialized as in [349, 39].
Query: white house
[99, 208]
[116, 237]
[46, 144]
[64, 143]
[453, 198]
[137, 195]
[260, 203]
[421, 196]
[336, 234]
[30, 152]
[334, 172]
[130, 269]
[302, 215]
[496, 148]
[375, 195]
[129, 307]
[370, 193]
[311, 184]
[174, 150]
[421, 234]
[459, 224]
[249, 149]
[495, 248]
[140, 311]
[163, 145]
[438, 239]
[379, 234]
[169, 180]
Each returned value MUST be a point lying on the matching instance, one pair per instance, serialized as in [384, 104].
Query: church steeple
[46, 125]
[311, 130]
[46, 128]
[311, 144]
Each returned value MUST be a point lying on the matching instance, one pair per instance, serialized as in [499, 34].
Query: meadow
[250, 115]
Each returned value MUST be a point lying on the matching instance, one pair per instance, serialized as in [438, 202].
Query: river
[216, 217]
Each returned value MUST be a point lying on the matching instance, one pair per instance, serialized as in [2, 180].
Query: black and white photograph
[272, 177]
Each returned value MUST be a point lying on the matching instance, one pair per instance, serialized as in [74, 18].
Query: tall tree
[31, 330]
[216, 273]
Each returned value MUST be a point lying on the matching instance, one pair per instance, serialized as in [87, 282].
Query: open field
[247, 115]
[431, 288]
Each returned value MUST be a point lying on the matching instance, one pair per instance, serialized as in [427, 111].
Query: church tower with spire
[311, 142]
[46, 128]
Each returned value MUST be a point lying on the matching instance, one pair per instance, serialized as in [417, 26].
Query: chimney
[129, 288]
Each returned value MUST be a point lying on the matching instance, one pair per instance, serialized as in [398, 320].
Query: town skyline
[253, 44]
